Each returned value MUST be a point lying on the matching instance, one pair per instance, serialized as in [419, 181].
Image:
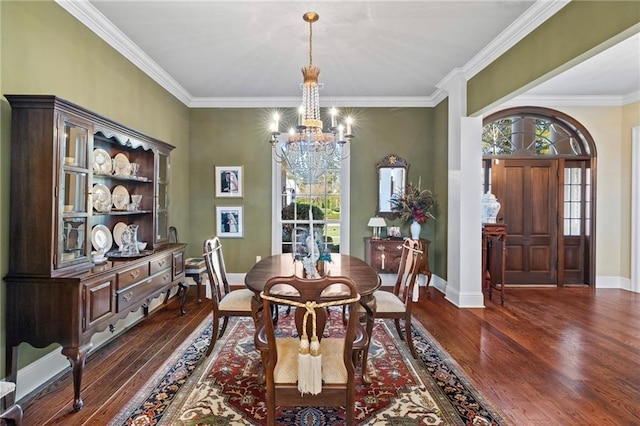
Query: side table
[494, 249]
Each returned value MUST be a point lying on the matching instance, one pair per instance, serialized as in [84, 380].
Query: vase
[415, 230]
[490, 208]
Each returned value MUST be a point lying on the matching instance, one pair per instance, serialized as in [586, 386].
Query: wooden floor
[547, 357]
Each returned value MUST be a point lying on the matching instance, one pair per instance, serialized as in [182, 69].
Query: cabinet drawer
[130, 295]
[132, 275]
[385, 257]
[160, 263]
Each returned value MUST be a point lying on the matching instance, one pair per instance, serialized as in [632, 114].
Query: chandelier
[306, 149]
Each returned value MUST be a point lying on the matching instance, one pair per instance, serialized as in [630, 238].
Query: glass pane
[162, 196]
[162, 231]
[74, 148]
[163, 167]
[74, 192]
[73, 238]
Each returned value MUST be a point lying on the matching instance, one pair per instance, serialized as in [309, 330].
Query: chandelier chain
[310, 43]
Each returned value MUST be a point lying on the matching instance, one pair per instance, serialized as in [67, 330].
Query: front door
[528, 192]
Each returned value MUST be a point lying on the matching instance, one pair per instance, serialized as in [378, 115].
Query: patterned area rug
[223, 389]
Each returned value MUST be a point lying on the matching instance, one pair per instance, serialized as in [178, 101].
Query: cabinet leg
[183, 296]
[77, 358]
[11, 364]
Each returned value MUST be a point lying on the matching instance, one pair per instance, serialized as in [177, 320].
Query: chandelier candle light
[306, 149]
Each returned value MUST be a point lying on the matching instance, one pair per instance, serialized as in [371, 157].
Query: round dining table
[364, 276]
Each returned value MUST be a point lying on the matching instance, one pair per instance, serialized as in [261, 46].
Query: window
[328, 199]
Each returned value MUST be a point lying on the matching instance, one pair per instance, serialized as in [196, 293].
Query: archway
[541, 164]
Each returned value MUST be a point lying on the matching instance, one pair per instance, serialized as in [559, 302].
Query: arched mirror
[392, 178]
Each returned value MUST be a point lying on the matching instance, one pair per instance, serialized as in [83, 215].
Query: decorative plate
[102, 162]
[101, 238]
[101, 198]
[120, 197]
[118, 229]
[121, 165]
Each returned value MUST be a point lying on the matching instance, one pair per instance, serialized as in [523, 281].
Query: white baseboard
[34, 376]
[613, 282]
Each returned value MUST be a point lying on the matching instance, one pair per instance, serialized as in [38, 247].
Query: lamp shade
[377, 221]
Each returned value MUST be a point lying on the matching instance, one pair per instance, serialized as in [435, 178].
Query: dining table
[365, 278]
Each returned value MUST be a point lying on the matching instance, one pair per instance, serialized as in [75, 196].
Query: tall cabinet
[73, 174]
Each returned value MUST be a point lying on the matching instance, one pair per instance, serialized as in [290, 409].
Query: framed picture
[229, 181]
[229, 221]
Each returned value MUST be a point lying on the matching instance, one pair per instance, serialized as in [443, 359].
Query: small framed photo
[229, 221]
[229, 181]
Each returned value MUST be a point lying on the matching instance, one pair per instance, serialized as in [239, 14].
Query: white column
[635, 209]
[464, 234]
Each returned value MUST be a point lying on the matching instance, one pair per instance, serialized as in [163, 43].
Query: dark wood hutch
[56, 292]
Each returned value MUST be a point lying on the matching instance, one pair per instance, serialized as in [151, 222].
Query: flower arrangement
[414, 204]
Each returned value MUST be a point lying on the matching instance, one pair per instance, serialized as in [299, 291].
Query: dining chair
[12, 412]
[224, 302]
[303, 365]
[397, 304]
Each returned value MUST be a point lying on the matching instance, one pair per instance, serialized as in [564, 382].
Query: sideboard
[384, 254]
[66, 279]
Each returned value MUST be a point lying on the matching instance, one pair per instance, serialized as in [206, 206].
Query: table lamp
[376, 223]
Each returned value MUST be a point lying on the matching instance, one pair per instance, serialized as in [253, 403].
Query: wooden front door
[528, 192]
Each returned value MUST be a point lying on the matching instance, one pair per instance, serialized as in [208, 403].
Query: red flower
[414, 204]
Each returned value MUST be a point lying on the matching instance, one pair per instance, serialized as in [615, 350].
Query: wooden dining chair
[398, 303]
[295, 374]
[10, 412]
[224, 302]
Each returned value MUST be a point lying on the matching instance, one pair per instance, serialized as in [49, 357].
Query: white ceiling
[371, 53]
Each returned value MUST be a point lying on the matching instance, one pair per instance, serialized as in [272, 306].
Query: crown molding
[574, 101]
[291, 102]
[533, 17]
[91, 17]
[94, 20]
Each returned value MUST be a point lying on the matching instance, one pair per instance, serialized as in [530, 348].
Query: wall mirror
[392, 178]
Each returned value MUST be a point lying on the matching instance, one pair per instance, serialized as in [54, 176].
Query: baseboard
[613, 282]
[34, 377]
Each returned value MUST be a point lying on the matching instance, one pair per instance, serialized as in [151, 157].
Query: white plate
[120, 197]
[101, 238]
[101, 161]
[121, 165]
[101, 198]
[118, 229]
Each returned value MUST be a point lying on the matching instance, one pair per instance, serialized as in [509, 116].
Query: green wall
[47, 51]
[233, 137]
[576, 29]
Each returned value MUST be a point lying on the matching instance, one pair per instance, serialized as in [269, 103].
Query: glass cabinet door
[73, 234]
[162, 212]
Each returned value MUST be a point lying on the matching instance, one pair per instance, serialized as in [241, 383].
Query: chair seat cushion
[333, 369]
[388, 302]
[237, 300]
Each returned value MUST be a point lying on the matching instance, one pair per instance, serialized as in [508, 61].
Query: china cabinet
[78, 182]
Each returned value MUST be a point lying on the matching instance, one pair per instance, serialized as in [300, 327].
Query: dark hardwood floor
[547, 357]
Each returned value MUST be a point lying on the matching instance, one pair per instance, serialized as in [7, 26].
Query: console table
[384, 255]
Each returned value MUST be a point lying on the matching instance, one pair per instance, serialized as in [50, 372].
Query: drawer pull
[382, 257]
[134, 274]
[161, 263]
[165, 277]
[127, 296]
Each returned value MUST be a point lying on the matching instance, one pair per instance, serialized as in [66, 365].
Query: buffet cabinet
[384, 255]
[74, 178]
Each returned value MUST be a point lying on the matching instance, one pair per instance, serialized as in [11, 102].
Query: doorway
[540, 165]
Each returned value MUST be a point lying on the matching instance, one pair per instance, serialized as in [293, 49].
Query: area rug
[224, 390]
